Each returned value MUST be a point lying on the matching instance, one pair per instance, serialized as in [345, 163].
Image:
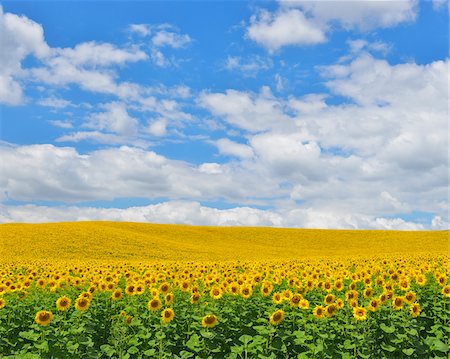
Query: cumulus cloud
[114, 119]
[249, 67]
[190, 212]
[228, 147]
[283, 28]
[171, 39]
[303, 23]
[20, 37]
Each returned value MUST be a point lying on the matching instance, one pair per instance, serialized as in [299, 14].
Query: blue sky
[293, 114]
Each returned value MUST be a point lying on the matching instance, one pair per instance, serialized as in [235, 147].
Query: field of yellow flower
[129, 290]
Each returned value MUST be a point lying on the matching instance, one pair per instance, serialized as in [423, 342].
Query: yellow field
[142, 241]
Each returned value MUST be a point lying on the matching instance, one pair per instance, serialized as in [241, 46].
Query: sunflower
[164, 288]
[2, 302]
[397, 303]
[185, 285]
[319, 311]
[421, 280]
[414, 309]
[359, 313]
[339, 285]
[154, 304]
[329, 299]
[168, 298]
[123, 313]
[276, 317]
[410, 297]
[246, 291]
[167, 315]
[383, 297]
[277, 298]
[233, 289]
[295, 300]
[265, 290]
[446, 291]
[352, 295]
[340, 303]
[368, 292]
[130, 290]
[195, 297]
[43, 317]
[330, 310]
[209, 321]
[304, 304]
[128, 319]
[82, 304]
[374, 305]
[215, 293]
[63, 303]
[117, 294]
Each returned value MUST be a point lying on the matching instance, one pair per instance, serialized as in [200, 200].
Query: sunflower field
[358, 305]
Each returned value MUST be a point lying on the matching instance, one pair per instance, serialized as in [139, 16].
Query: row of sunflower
[352, 307]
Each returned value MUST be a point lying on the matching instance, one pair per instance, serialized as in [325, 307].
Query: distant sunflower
[246, 291]
[359, 313]
[374, 305]
[154, 304]
[82, 304]
[128, 319]
[319, 311]
[130, 290]
[168, 298]
[43, 317]
[164, 288]
[368, 292]
[195, 297]
[410, 297]
[295, 300]
[233, 289]
[397, 303]
[340, 303]
[215, 293]
[338, 285]
[304, 304]
[117, 294]
[446, 291]
[167, 315]
[63, 303]
[277, 298]
[276, 317]
[209, 321]
[2, 302]
[414, 309]
[330, 310]
[329, 299]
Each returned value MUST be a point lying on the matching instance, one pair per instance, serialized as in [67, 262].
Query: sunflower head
[359, 313]
[414, 310]
[209, 321]
[117, 294]
[276, 317]
[63, 303]
[43, 317]
[374, 305]
[154, 304]
[167, 315]
[319, 312]
[397, 303]
[82, 304]
[446, 291]
[2, 302]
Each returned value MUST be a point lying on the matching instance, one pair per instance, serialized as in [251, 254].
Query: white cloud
[98, 54]
[140, 29]
[61, 123]
[103, 138]
[245, 110]
[54, 102]
[115, 119]
[303, 23]
[189, 212]
[283, 28]
[228, 147]
[210, 168]
[158, 127]
[171, 39]
[20, 37]
[250, 66]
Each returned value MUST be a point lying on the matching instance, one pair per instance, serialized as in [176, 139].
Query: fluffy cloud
[115, 119]
[182, 212]
[304, 23]
[20, 37]
[172, 39]
[228, 147]
[274, 31]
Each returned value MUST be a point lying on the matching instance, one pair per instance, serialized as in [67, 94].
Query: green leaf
[388, 348]
[408, 352]
[193, 343]
[133, 350]
[108, 350]
[151, 353]
[387, 329]
[245, 339]
[185, 354]
[348, 344]
[30, 335]
[436, 344]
